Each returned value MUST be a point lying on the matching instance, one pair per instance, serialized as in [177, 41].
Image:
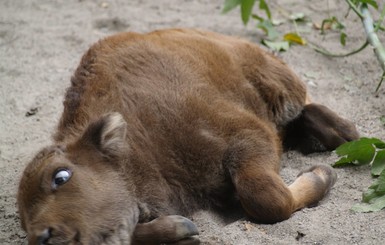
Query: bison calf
[159, 125]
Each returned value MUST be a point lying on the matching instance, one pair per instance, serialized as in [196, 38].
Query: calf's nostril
[42, 239]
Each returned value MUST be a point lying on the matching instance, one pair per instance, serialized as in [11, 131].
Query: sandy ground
[41, 42]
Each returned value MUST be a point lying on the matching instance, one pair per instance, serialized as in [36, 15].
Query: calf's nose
[43, 237]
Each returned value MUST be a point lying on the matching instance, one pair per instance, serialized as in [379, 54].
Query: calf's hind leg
[253, 163]
[318, 129]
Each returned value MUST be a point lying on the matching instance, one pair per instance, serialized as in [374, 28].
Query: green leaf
[370, 2]
[381, 184]
[276, 46]
[257, 17]
[294, 38]
[364, 208]
[358, 152]
[378, 164]
[376, 204]
[263, 6]
[246, 8]
[344, 161]
[230, 5]
[374, 198]
[359, 156]
[364, 151]
[370, 193]
[343, 38]
[370, 207]
[379, 145]
[269, 29]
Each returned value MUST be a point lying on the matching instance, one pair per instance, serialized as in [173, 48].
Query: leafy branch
[277, 42]
[366, 151]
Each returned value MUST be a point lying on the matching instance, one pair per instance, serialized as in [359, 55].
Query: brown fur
[163, 124]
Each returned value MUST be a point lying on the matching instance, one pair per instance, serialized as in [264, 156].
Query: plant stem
[355, 9]
[327, 53]
[372, 36]
[379, 84]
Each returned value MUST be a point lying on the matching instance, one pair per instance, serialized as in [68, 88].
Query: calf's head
[75, 194]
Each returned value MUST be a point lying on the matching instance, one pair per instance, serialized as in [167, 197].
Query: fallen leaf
[294, 38]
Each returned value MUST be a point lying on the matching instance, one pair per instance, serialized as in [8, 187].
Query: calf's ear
[108, 134]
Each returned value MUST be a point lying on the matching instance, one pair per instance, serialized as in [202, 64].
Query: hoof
[321, 173]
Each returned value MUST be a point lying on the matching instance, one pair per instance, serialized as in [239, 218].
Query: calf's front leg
[172, 229]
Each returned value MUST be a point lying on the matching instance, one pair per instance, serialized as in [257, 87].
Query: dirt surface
[41, 42]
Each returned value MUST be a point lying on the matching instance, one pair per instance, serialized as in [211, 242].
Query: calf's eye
[60, 177]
